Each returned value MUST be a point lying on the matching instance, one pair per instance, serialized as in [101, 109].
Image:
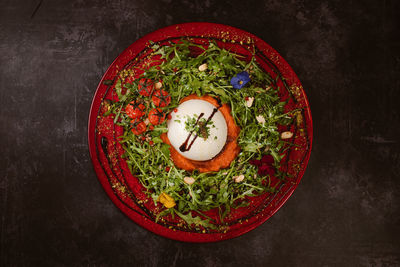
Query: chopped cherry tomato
[156, 116]
[135, 109]
[167, 169]
[138, 126]
[151, 127]
[161, 98]
[151, 142]
[145, 87]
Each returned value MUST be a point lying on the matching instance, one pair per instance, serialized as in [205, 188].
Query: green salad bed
[142, 110]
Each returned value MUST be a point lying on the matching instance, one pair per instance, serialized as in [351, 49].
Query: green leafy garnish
[180, 76]
[199, 126]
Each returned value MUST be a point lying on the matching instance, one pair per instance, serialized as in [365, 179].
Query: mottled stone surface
[53, 210]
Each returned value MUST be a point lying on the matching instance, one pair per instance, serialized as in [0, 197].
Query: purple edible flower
[240, 80]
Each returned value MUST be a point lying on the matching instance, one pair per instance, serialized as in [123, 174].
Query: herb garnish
[200, 127]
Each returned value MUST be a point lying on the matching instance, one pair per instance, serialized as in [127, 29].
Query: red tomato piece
[161, 98]
[156, 116]
[138, 126]
[135, 109]
[145, 87]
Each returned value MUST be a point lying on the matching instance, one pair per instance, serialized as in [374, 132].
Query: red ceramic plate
[126, 191]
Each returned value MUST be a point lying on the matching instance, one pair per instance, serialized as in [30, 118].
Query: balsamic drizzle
[184, 147]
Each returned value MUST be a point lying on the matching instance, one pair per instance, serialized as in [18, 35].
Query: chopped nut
[189, 180]
[146, 121]
[299, 118]
[260, 118]
[286, 135]
[249, 101]
[238, 178]
[203, 67]
[158, 85]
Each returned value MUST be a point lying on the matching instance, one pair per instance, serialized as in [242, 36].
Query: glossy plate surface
[125, 190]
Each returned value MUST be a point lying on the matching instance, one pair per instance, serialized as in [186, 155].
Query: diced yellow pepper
[167, 200]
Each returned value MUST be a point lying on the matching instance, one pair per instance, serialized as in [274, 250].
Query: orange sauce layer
[227, 154]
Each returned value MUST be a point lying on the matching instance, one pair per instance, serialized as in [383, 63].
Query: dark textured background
[54, 211]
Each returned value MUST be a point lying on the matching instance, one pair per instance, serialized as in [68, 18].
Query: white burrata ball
[201, 149]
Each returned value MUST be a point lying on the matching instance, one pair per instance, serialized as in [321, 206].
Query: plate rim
[159, 229]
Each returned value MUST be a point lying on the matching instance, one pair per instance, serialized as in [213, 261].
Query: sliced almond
[189, 180]
[238, 178]
[158, 85]
[260, 118]
[286, 135]
[203, 67]
[249, 101]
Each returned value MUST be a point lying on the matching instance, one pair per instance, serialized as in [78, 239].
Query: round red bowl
[125, 190]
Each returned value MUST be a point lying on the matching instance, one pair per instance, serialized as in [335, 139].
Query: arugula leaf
[197, 220]
[181, 77]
